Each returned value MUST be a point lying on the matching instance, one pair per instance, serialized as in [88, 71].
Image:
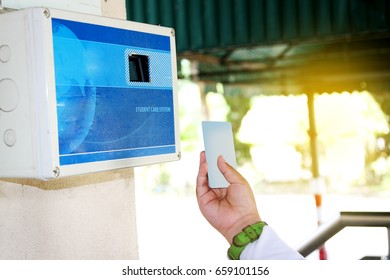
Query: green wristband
[246, 236]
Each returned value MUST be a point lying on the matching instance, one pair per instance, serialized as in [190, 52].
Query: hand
[228, 210]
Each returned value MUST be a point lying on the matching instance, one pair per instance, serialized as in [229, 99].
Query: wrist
[237, 227]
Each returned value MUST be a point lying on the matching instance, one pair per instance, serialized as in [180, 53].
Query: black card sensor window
[139, 68]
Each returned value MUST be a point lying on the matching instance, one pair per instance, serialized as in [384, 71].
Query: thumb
[230, 174]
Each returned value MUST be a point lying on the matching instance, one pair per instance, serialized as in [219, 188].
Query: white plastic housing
[82, 93]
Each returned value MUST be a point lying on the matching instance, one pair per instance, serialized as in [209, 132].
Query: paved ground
[171, 227]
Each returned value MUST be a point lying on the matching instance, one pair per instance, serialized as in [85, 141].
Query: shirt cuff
[269, 247]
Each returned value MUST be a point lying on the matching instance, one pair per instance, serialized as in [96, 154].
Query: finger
[230, 174]
[202, 178]
[202, 164]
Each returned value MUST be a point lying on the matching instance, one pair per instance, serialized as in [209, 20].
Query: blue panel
[114, 155]
[105, 34]
[102, 113]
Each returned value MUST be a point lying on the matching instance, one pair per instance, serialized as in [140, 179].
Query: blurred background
[306, 87]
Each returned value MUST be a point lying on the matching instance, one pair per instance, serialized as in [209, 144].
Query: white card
[218, 140]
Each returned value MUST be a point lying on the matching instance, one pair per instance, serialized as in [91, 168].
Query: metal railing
[346, 219]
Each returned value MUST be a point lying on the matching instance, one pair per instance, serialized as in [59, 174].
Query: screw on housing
[46, 12]
[56, 171]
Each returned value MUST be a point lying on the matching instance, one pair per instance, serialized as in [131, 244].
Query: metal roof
[281, 45]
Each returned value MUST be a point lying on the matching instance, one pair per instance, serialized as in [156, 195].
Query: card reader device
[82, 93]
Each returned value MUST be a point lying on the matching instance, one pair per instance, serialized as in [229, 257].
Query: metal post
[346, 219]
[388, 242]
[317, 181]
[313, 135]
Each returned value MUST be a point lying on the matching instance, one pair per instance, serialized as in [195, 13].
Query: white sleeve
[269, 247]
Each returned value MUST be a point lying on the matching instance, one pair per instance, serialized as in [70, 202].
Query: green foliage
[239, 106]
[383, 101]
